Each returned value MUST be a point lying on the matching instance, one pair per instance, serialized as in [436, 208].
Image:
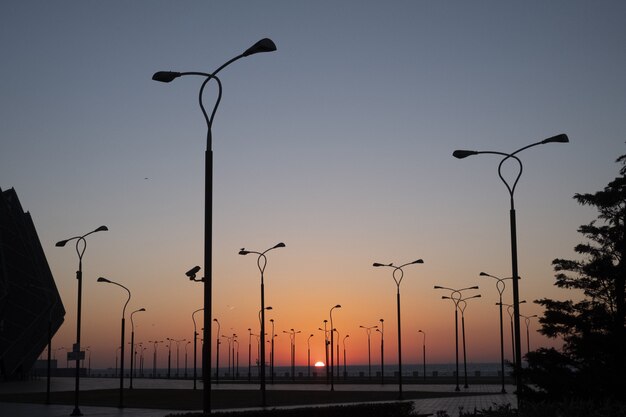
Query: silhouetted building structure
[31, 310]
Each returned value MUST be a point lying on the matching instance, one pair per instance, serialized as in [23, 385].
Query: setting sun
[319, 364]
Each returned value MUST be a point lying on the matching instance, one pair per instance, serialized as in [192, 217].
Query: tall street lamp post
[381, 330]
[398, 274]
[81, 246]
[264, 45]
[132, 346]
[510, 185]
[332, 348]
[261, 264]
[101, 279]
[423, 353]
[500, 286]
[369, 349]
[455, 296]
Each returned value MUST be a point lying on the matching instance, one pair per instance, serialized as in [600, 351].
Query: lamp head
[437, 287]
[338, 306]
[484, 274]
[264, 45]
[142, 309]
[419, 261]
[460, 153]
[165, 76]
[101, 229]
[562, 138]
[102, 279]
[279, 245]
[269, 308]
[243, 251]
[61, 243]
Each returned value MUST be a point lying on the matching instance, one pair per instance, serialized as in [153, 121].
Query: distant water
[442, 369]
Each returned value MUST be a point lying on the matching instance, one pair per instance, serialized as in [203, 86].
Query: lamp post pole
[272, 353]
[154, 357]
[325, 330]
[132, 346]
[527, 319]
[423, 353]
[261, 264]
[249, 355]
[81, 246]
[217, 352]
[509, 310]
[500, 286]
[368, 330]
[455, 296]
[381, 330]
[562, 138]
[101, 279]
[264, 45]
[398, 279]
[332, 348]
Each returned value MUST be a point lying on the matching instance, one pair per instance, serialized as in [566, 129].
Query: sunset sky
[339, 144]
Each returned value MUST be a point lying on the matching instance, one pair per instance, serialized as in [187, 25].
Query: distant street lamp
[272, 353]
[460, 154]
[509, 310]
[462, 307]
[308, 343]
[132, 346]
[195, 347]
[154, 357]
[261, 264]
[249, 354]
[326, 342]
[264, 45]
[381, 330]
[455, 296]
[500, 286]
[527, 319]
[217, 352]
[423, 352]
[398, 279]
[369, 349]
[332, 347]
[81, 246]
[101, 279]
[345, 363]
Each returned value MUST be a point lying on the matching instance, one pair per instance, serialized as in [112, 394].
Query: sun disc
[319, 364]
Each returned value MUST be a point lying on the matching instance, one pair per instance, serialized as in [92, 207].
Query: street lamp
[462, 306]
[332, 347]
[264, 45]
[460, 154]
[509, 308]
[154, 357]
[272, 353]
[381, 330]
[217, 353]
[101, 279]
[369, 349]
[195, 344]
[261, 264]
[345, 364]
[308, 343]
[500, 286]
[325, 330]
[527, 319]
[455, 296]
[398, 280]
[423, 352]
[132, 345]
[81, 246]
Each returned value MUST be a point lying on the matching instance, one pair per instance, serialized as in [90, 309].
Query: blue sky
[338, 144]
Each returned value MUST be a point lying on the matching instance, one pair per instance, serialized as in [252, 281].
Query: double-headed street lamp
[81, 246]
[264, 45]
[510, 185]
[369, 349]
[195, 343]
[500, 286]
[272, 353]
[132, 346]
[398, 274]
[101, 279]
[261, 264]
[462, 307]
[527, 319]
[455, 296]
[154, 357]
[509, 310]
[332, 347]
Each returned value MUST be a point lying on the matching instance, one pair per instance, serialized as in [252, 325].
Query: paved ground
[489, 395]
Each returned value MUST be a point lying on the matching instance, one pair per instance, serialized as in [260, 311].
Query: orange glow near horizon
[319, 364]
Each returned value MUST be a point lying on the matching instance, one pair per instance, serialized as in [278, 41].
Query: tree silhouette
[591, 363]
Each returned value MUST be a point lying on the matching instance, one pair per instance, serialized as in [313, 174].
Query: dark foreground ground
[182, 399]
